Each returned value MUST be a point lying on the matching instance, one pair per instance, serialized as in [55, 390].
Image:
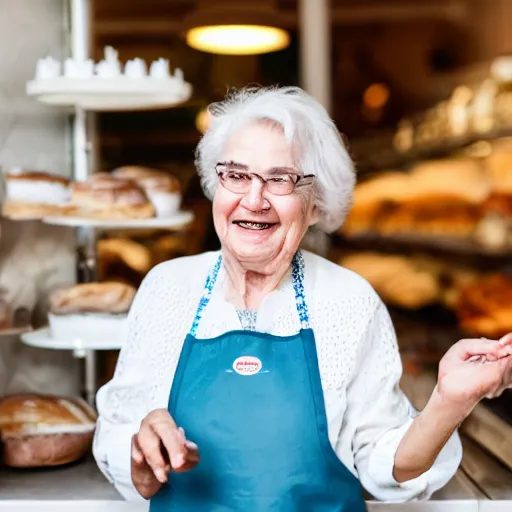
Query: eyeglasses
[279, 184]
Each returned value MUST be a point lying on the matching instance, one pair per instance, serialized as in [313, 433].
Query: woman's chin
[255, 246]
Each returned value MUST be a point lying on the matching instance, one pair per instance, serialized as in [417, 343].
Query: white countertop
[120, 506]
[81, 487]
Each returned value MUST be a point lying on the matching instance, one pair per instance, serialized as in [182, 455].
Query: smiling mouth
[256, 226]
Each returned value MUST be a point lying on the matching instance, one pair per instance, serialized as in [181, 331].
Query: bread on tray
[39, 431]
[105, 197]
[162, 188]
[91, 311]
[33, 195]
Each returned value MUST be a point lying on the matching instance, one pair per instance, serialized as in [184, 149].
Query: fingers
[174, 443]
[163, 446]
[506, 340]
[150, 447]
[491, 349]
[137, 454]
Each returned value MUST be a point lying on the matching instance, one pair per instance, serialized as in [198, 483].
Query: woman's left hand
[474, 369]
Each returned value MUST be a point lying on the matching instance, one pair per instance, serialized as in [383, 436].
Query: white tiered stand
[86, 94]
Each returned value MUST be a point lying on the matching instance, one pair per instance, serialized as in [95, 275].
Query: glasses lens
[238, 182]
[281, 185]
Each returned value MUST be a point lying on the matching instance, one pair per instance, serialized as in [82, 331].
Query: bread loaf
[163, 189]
[33, 195]
[40, 430]
[105, 197]
[107, 297]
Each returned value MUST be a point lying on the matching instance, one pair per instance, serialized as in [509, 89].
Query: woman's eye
[279, 179]
[236, 176]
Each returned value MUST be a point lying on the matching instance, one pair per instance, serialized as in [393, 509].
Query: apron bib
[254, 404]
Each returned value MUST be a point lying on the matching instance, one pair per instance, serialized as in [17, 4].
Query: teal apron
[254, 405]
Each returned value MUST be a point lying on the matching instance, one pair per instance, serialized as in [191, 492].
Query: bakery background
[423, 94]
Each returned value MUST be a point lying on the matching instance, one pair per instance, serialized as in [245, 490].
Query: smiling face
[259, 229]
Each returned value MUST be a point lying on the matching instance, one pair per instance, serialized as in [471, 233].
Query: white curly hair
[307, 127]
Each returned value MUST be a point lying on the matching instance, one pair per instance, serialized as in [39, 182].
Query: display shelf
[100, 95]
[377, 153]
[42, 338]
[108, 85]
[413, 242]
[87, 87]
[179, 220]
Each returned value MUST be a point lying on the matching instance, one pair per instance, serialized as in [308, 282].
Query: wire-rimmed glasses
[279, 183]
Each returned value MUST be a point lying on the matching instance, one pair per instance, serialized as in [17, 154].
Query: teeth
[254, 225]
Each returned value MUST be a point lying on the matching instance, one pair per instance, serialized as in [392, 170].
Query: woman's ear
[315, 215]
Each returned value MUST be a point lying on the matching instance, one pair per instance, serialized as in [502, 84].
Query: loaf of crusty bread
[33, 195]
[40, 430]
[106, 297]
[107, 197]
[151, 180]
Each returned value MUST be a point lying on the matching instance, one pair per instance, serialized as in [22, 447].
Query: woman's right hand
[159, 447]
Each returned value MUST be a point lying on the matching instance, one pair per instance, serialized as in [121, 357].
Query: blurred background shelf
[437, 245]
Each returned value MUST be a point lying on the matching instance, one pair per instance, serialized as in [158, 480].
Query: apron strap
[298, 287]
[207, 293]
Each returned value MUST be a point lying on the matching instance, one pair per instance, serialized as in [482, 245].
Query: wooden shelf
[411, 243]
[377, 153]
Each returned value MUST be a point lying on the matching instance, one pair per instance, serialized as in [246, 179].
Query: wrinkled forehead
[260, 145]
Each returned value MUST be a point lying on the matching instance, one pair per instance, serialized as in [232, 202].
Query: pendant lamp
[235, 27]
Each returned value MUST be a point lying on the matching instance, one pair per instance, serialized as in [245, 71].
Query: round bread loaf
[106, 197]
[40, 430]
[34, 194]
[106, 297]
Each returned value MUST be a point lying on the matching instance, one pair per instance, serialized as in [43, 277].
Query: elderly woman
[265, 378]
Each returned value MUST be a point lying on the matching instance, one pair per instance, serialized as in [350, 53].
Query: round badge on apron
[247, 365]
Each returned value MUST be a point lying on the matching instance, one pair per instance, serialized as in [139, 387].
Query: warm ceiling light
[238, 39]
[230, 27]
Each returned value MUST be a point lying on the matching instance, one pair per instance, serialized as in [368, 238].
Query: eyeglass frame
[264, 181]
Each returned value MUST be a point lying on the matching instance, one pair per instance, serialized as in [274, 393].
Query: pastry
[373, 199]
[443, 198]
[40, 431]
[92, 298]
[484, 307]
[33, 195]
[104, 197]
[163, 189]
[399, 280]
[134, 255]
[92, 311]
[499, 167]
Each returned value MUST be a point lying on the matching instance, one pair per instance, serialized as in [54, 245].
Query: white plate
[177, 221]
[42, 338]
[116, 94]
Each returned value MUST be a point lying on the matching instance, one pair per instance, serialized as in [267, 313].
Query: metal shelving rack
[172, 91]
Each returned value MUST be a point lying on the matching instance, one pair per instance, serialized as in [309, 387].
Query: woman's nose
[254, 199]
